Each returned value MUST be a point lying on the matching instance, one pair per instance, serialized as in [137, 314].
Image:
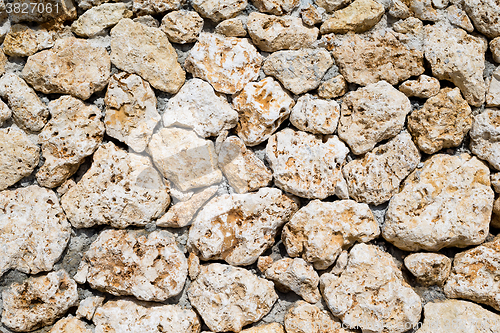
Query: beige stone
[266, 328]
[486, 16]
[194, 267]
[218, 10]
[495, 182]
[311, 15]
[96, 19]
[275, 7]
[424, 87]
[495, 49]
[332, 5]
[333, 88]
[182, 26]
[148, 21]
[303, 317]
[484, 137]
[429, 268]
[87, 307]
[23, 41]
[495, 218]
[458, 17]
[315, 115]
[152, 7]
[234, 27]
[423, 9]
[70, 325]
[493, 95]
[3, 59]
[5, 112]
[62, 10]
[359, 16]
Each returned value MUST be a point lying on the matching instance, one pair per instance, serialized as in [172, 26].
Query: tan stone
[87, 307]
[96, 19]
[303, 317]
[22, 41]
[275, 7]
[315, 115]
[429, 268]
[424, 87]
[359, 16]
[152, 7]
[486, 16]
[234, 27]
[333, 88]
[3, 60]
[218, 10]
[493, 95]
[194, 267]
[495, 218]
[182, 26]
[422, 9]
[495, 49]
[5, 112]
[70, 325]
[311, 15]
[458, 17]
[484, 137]
[62, 10]
[332, 5]
[266, 328]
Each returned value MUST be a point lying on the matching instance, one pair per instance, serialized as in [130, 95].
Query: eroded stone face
[22, 41]
[218, 10]
[458, 17]
[333, 88]
[269, 328]
[486, 16]
[70, 325]
[429, 268]
[493, 95]
[495, 49]
[182, 26]
[234, 27]
[276, 7]
[359, 16]
[332, 5]
[96, 19]
[484, 137]
[424, 87]
[152, 7]
[5, 112]
[315, 115]
[87, 307]
[303, 317]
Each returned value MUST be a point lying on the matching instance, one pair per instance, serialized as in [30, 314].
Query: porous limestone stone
[38, 301]
[493, 95]
[429, 268]
[23, 41]
[5, 112]
[315, 115]
[376, 177]
[62, 10]
[228, 298]
[458, 17]
[423, 9]
[306, 165]
[495, 49]
[119, 189]
[238, 228]
[359, 16]
[484, 137]
[372, 114]
[218, 10]
[486, 16]
[146, 51]
[332, 5]
[312, 15]
[303, 317]
[194, 267]
[3, 58]
[447, 202]
[299, 71]
[262, 107]
[227, 63]
[424, 87]
[18, 156]
[87, 307]
[182, 26]
[371, 293]
[410, 32]
[340, 263]
[234, 27]
[273, 33]
[275, 7]
[495, 182]
[269, 328]
[495, 219]
[152, 7]
[96, 19]
[333, 88]
[70, 325]
[319, 231]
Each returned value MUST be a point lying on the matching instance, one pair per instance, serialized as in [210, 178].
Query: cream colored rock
[333, 88]
[228, 298]
[273, 33]
[486, 16]
[495, 182]
[495, 218]
[3, 60]
[234, 27]
[119, 189]
[410, 32]
[299, 71]
[376, 177]
[266, 328]
[495, 49]
[448, 202]
[146, 51]
[182, 26]
[275, 7]
[359, 16]
[424, 87]
[262, 107]
[218, 10]
[62, 10]
[87, 307]
[312, 15]
[423, 9]
[493, 95]
[238, 228]
[332, 5]
[23, 41]
[194, 267]
[307, 165]
[315, 115]
[70, 325]
[372, 114]
[340, 263]
[226, 63]
[127, 316]
[96, 19]
[429, 268]
[5, 112]
[303, 317]
[371, 293]
[152, 7]
[484, 137]
[458, 17]
[38, 301]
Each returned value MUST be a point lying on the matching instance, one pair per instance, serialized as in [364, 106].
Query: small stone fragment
[148, 21]
[486, 16]
[485, 137]
[495, 219]
[332, 5]
[340, 263]
[269, 328]
[493, 95]
[333, 88]
[182, 26]
[423, 9]
[23, 41]
[152, 7]
[399, 9]
[275, 7]
[303, 317]
[194, 267]
[96, 19]
[70, 325]
[458, 17]
[234, 27]
[429, 268]
[495, 182]
[218, 10]
[3, 58]
[62, 10]
[495, 49]
[359, 16]
[311, 15]
[315, 115]
[264, 263]
[424, 87]
[87, 307]
[5, 112]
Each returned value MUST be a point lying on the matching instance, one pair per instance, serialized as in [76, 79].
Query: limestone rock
[70, 325]
[495, 219]
[307, 165]
[484, 137]
[23, 41]
[152, 7]
[38, 301]
[359, 16]
[5, 112]
[495, 182]
[332, 5]
[495, 49]
[182, 26]
[3, 59]
[218, 10]
[372, 114]
[238, 228]
[371, 293]
[315, 115]
[429, 268]
[458, 17]
[275, 7]
[333, 88]
[446, 203]
[493, 95]
[96, 19]
[87, 307]
[228, 298]
[269, 328]
[234, 27]
[262, 107]
[194, 267]
[303, 317]
[312, 15]
[226, 63]
[62, 10]
[486, 16]
[423, 9]
[424, 87]
[273, 33]
[119, 189]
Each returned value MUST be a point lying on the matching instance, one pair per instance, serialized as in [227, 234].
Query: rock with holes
[5, 112]
[23, 41]
[182, 26]
[429, 268]
[425, 10]
[495, 182]
[3, 58]
[276, 7]
[459, 17]
[303, 317]
[234, 27]
[97, 19]
[424, 87]
[315, 115]
[332, 5]
[333, 88]
[495, 49]
[485, 134]
[87, 307]
[485, 14]
[266, 328]
[312, 15]
[70, 324]
[359, 16]
[153, 7]
[493, 95]
[218, 10]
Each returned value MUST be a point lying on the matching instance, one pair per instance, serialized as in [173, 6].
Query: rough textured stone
[315, 115]
[229, 298]
[371, 293]
[234, 27]
[359, 16]
[486, 16]
[458, 17]
[424, 87]
[332, 5]
[447, 202]
[87, 307]
[152, 7]
[495, 182]
[218, 10]
[269, 328]
[429, 268]
[275, 7]
[495, 49]
[333, 88]
[493, 95]
[62, 10]
[70, 325]
[23, 41]
[312, 15]
[96, 19]
[303, 317]
[5, 112]
[182, 26]
[320, 231]
[484, 137]
[3, 59]
[495, 219]
[422, 9]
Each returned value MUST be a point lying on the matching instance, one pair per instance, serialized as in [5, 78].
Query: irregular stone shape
[311, 15]
[244, 171]
[70, 325]
[307, 165]
[446, 203]
[372, 114]
[303, 317]
[458, 17]
[119, 189]
[443, 122]
[146, 51]
[262, 107]
[38, 301]
[147, 20]
[371, 293]
[332, 5]
[22, 41]
[28, 110]
[484, 137]
[87, 307]
[422, 9]
[182, 26]
[458, 317]
[184, 158]
[315, 115]
[131, 114]
[495, 182]
[226, 63]
[319, 231]
[218, 10]
[5, 112]
[486, 16]
[234, 27]
[150, 267]
[273, 33]
[493, 95]
[33, 230]
[359, 16]
[18, 156]
[238, 228]
[228, 298]
[475, 275]
[429, 268]
[96, 19]
[333, 88]
[275, 7]
[376, 177]
[298, 71]
[152, 7]
[495, 219]
[127, 316]
[197, 106]
[444, 48]
[194, 267]
[424, 87]
[495, 49]
[410, 32]
[3, 58]
[269, 328]
[62, 10]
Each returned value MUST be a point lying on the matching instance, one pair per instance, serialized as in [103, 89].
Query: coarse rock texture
[495, 218]
[3, 62]
[495, 49]
[218, 10]
[485, 14]
[458, 17]
[33, 230]
[146, 51]
[372, 114]
[315, 115]
[5, 112]
[333, 88]
[376, 177]
[447, 202]
[234, 27]
[312, 15]
[423, 9]
[429, 268]
[228, 298]
[306, 165]
[273, 33]
[38, 301]
[18, 156]
[60, 10]
[359, 16]
[70, 325]
[152, 7]
[319, 231]
[73, 66]
[443, 122]
[96, 19]
[182, 26]
[371, 293]
[227, 63]
[262, 107]
[150, 267]
[22, 41]
[276, 7]
[424, 87]
[485, 135]
[493, 95]
[332, 5]
[495, 182]
[87, 307]
[238, 228]
[299, 71]
[119, 189]
[269, 328]
[303, 317]
[127, 316]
